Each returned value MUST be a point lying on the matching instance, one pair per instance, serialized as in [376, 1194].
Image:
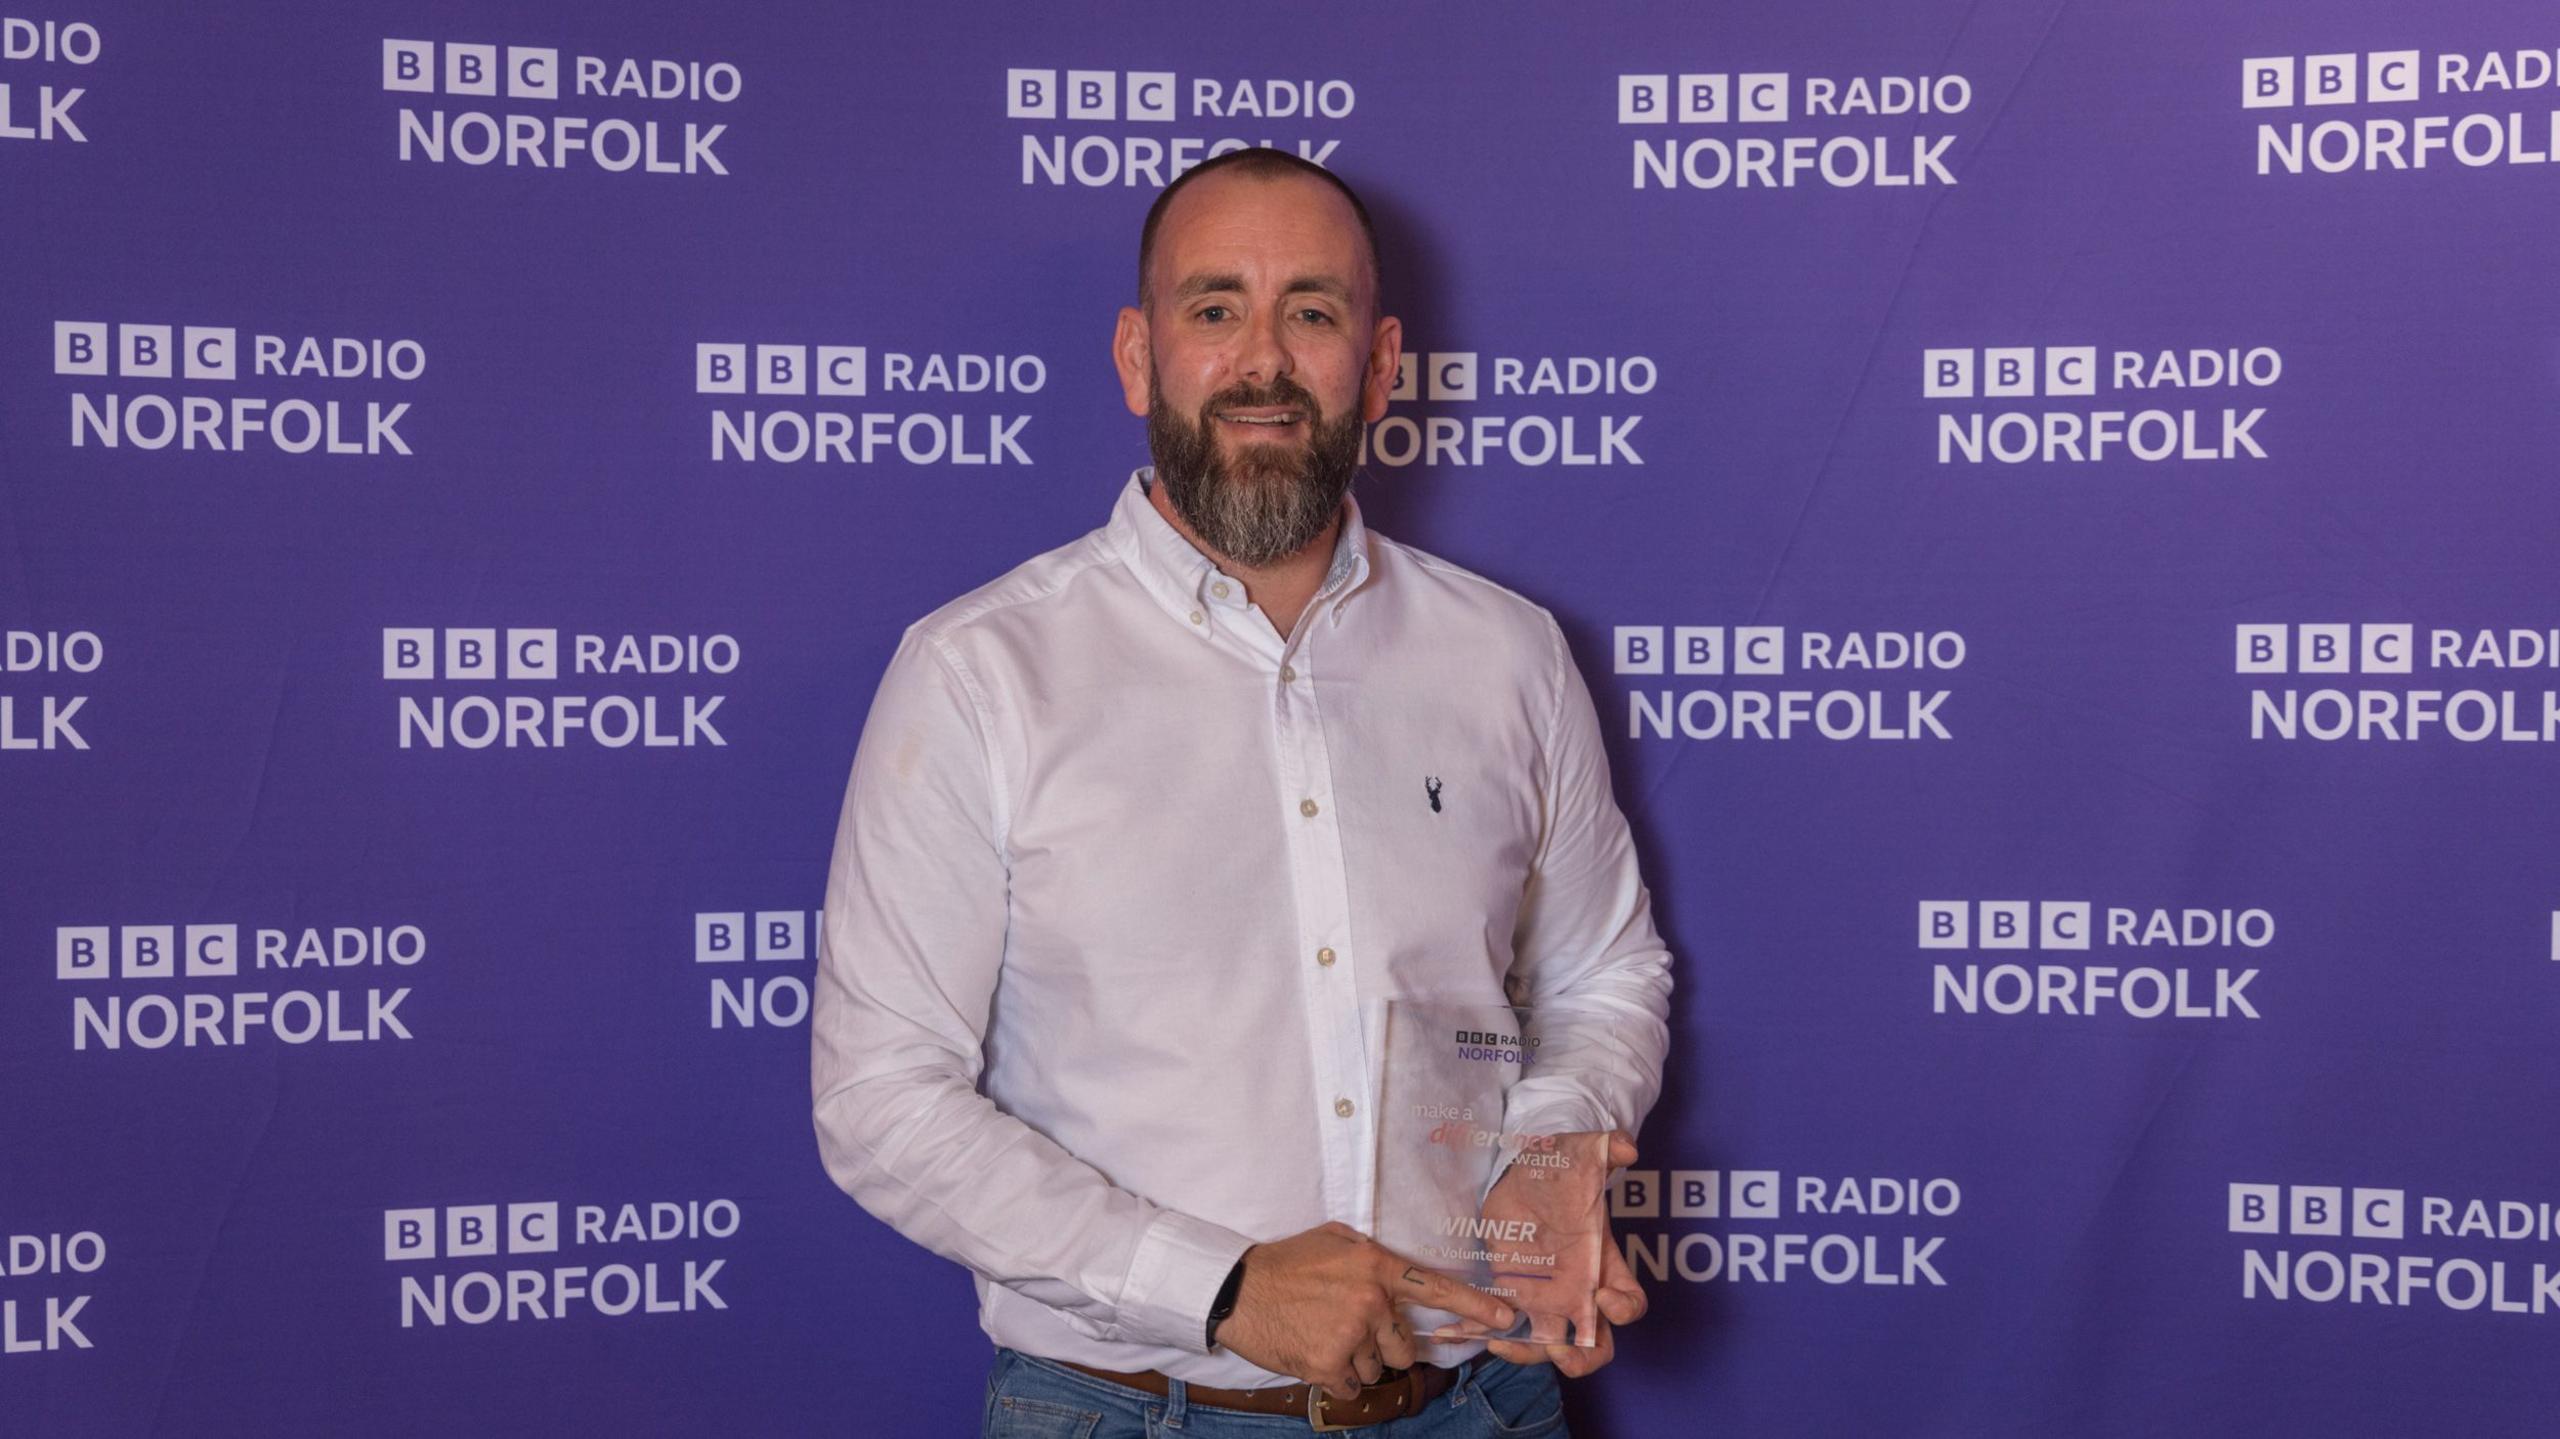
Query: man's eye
[1214, 312]
[1315, 316]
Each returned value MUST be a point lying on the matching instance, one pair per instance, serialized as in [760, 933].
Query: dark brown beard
[1269, 501]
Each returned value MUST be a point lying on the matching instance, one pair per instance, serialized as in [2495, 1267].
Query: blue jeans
[1030, 1398]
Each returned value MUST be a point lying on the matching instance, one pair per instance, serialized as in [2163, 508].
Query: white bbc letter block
[409, 65]
[1759, 649]
[2071, 370]
[2385, 649]
[2262, 649]
[1755, 1194]
[1705, 99]
[1697, 649]
[2266, 83]
[2062, 924]
[1644, 99]
[408, 1234]
[2391, 76]
[1150, 95]
[2378, 1213]
[1762, 98]
[2323, 649]
[1946, 374]
[1031, 94]
[1638, 650]
[2256, 1209]
[2003, 924]
[1946, 924]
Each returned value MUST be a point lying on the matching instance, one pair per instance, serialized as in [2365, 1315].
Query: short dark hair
[1256, 162]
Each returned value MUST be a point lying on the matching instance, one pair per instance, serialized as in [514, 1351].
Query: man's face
[1258, 359]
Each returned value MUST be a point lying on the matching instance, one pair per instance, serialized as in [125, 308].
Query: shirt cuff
[1173, 1279]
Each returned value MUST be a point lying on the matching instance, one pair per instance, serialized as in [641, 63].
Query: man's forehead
[1277, 229]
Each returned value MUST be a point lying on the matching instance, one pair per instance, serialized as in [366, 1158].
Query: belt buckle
[1315, 1414]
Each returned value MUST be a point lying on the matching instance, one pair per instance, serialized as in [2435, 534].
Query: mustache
[1281, 391]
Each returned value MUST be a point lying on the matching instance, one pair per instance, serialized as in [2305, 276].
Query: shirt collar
[1184, 581]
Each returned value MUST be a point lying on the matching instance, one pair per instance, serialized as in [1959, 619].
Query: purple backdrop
[2053, 501]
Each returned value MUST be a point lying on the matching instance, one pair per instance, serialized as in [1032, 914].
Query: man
[1133, 830]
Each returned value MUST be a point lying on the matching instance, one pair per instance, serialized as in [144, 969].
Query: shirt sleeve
[914, 924]
[1585, 957]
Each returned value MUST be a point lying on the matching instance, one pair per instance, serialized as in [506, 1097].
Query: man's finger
[1415, 1284]
[1606, 1349]
[1576, 1362]
[1366, 1365]
[1622, 1149]
[1622, 1306]
[1395, 1343]
[1518, 1353]
[1622, 1299]
[1342, 1384]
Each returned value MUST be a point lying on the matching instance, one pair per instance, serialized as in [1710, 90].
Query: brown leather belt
[1397, 1393]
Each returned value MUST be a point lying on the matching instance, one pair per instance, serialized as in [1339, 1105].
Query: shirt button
[1342, 1107]
[1219, 589]
[1287, 674]
[1195, 617]
[1307, 807]
[1325, 956]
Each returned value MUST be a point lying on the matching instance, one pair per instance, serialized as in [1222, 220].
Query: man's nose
[1264, 356]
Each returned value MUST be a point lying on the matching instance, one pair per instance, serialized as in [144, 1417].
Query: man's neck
[1282, 589]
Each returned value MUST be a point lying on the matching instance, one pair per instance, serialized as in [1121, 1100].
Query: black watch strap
[1225, 1303]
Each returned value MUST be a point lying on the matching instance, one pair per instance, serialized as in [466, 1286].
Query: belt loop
[1177, 1402]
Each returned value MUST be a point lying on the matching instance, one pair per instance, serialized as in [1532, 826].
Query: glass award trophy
[1517, 1215]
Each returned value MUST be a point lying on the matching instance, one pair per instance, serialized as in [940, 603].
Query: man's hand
[1322, 1305]
[1621, 1299]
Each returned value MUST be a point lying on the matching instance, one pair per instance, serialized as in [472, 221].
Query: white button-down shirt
[1117, 866]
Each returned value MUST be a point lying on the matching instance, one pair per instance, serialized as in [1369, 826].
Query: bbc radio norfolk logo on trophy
[1771, 130]
[1735, 682]
[760, 961]
[42, 1307]
[217, 388]
[39, 62]
[1109, 128]
[509, 688]
[1527, 411]
[505, 1263]
[2062, 959]
[783, 404]
[2402, 110]
[208, 986]
[540, 108]
[1763, 1226]
[39, 669]
[2078, 404]
[2400, 682]
[2394, 1248]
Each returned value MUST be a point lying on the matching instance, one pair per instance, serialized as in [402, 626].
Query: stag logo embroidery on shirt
[1431, 787]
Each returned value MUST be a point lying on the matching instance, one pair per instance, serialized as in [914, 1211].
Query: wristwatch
[1225, 1303]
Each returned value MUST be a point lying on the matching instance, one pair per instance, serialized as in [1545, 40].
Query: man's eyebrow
[1324, 285]
[1214, 284]
[1198, 285]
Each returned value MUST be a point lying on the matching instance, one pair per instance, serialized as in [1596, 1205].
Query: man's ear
[1130, 350]
[1386, 351]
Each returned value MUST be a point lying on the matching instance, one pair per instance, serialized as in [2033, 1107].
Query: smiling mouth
[1280, 420]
